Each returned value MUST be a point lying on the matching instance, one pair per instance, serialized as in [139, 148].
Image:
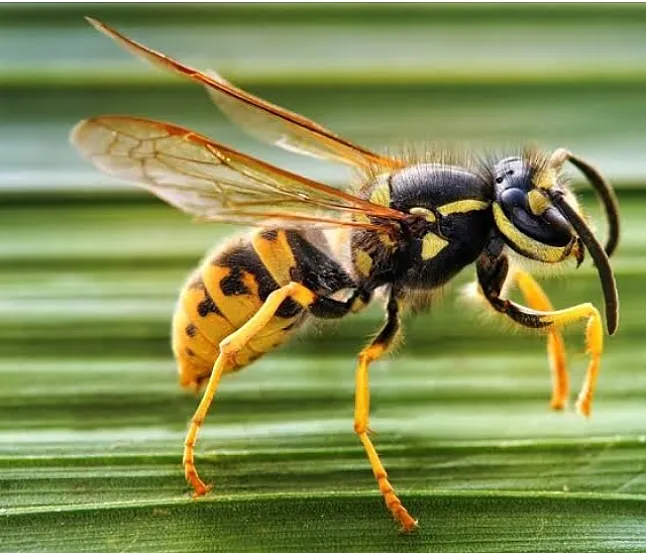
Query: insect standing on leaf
[411, 226]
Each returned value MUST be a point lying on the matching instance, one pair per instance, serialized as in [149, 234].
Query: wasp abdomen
[222, 295]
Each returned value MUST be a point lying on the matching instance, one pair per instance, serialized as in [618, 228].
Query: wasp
[405, 231]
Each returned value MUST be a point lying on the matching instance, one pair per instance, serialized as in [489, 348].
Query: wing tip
[106, 29]
[78, 134]
[75, 133]
[98, 25]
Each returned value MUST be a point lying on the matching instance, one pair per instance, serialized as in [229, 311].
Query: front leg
[493, 268]
[537, 299]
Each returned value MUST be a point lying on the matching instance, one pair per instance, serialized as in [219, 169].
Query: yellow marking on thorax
[276, 255]
[363, 262]
[426, 213]
[462, 206]
[387, 240]
[542, 252]
[432, 244]
[381, 193]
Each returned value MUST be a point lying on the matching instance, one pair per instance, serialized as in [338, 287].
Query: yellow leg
[537, 299]
[375, 350]
[594, 343]
[229, 347]
[493, 268]
[188, 460]
[593, 340]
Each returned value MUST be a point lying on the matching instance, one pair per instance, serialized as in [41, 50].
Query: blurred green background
[91, 418]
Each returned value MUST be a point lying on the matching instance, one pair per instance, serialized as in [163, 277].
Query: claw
[408, 523]
[201, 489]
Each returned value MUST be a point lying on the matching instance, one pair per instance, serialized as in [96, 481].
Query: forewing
[262, 119]
[211, 181]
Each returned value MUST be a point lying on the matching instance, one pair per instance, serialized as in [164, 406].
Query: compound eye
[512, 198]
[549, 228]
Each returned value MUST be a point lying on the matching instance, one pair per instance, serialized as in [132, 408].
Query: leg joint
[228, 349]
[299, 293]
[197, 420]
[373, 352]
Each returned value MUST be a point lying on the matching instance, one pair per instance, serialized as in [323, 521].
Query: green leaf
[92, 421]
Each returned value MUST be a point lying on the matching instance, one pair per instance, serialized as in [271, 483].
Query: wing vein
[213, 182]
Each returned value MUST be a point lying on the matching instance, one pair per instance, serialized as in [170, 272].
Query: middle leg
[377, 348]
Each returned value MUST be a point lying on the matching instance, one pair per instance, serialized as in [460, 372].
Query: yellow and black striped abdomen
[219, 298]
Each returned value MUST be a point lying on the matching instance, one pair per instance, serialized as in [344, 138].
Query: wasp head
[538, 217]
[524, 215]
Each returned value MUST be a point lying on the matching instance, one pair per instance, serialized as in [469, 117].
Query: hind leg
[188, 461]
[229, 347]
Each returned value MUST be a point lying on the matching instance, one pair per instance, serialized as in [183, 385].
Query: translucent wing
[209, 180]
[263, 120]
